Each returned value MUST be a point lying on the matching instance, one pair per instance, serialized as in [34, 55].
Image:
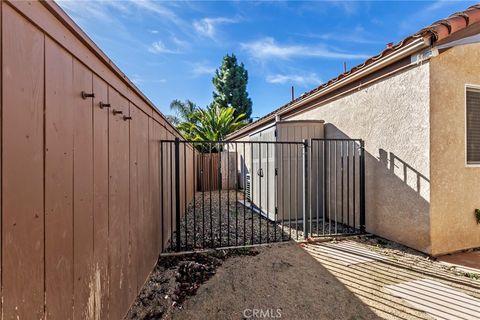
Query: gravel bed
[219, 219]
[174, 279]
[227, 223]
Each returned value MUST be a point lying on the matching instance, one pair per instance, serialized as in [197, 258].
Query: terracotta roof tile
[457, 21]
[436, 31]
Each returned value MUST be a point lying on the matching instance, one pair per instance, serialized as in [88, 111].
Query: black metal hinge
[276, 171]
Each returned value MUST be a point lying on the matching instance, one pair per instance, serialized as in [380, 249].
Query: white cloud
[355, 35]
[305, 80]
[267, 48]
[179, 42]
[103, 9]
[200, 69]
[159, 47]
[157, 8]
[349, 7]
[423, 16]
[208, 26]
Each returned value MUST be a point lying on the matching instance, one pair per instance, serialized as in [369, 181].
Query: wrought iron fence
[254, 192]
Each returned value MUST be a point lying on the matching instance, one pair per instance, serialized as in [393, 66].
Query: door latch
[260, 172]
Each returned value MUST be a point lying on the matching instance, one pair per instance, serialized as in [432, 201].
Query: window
[473, 126]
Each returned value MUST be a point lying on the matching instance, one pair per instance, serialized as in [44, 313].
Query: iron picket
[323, 178]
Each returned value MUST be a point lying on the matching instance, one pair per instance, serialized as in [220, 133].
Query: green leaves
[230, 110]
[214, 124]
[230, 82]
[185, 115]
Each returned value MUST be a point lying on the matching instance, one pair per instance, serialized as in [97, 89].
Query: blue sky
[170, 50]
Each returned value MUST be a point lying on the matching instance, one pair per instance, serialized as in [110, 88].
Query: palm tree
[184, 118]
[184, 111]
[213, 124]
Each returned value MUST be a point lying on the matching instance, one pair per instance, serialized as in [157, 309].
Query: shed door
[263, 172]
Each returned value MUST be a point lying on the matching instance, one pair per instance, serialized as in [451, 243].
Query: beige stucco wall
[455, 189]
[392, 116]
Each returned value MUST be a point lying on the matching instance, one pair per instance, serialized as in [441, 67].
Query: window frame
[469, 164]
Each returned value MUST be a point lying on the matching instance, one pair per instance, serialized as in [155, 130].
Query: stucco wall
[455, 188]
[392, 116]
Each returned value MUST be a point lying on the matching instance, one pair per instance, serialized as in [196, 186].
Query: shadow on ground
[282, 280]
[351, 279]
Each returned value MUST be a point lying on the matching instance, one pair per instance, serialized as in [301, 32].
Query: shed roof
[435, 32]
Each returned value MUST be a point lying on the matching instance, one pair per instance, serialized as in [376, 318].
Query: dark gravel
[220, 220]
[174, 279]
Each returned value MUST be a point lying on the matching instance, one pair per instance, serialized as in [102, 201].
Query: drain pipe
[277, 119]
[305, 188]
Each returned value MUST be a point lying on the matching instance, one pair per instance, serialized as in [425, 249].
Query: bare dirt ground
[174, 279]
[293, 281]
[282, 280]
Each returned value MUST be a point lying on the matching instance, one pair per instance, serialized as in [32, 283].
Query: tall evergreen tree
[230, 82]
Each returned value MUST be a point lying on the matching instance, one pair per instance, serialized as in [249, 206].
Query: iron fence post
[177, 192]
[362, 186]
[305, 187]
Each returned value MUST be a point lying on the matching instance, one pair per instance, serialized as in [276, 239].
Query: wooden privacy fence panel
[208, 175]
[215, 171]
[81, 189]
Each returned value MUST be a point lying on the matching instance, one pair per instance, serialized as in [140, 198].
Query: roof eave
[409, 49]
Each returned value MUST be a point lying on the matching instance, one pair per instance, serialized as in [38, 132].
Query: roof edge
[437, 31]
[417, 44]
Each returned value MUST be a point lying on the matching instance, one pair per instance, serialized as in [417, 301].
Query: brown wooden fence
[80, 175]
[212, 166]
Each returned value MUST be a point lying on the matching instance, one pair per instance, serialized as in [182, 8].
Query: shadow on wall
[396, 196]
[410, 176]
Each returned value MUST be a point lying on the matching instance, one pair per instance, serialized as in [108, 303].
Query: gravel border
[230, 223]
[227, 223]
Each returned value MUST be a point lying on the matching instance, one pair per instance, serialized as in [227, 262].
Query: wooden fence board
[58, 181]
[207, 171]
[118, 206]
[22, 167]
[84, 274]
[100, 197]
[208, 174]
[77, 248]
[139, 218]
[162, 178]
[153, 150]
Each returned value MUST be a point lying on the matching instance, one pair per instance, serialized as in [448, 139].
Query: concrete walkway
[468, 261]
[396, 288]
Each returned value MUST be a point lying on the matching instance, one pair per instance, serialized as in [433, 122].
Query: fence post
[362, 186]
[305, 187]
[177, 193]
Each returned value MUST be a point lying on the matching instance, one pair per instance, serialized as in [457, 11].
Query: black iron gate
[237, 193]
